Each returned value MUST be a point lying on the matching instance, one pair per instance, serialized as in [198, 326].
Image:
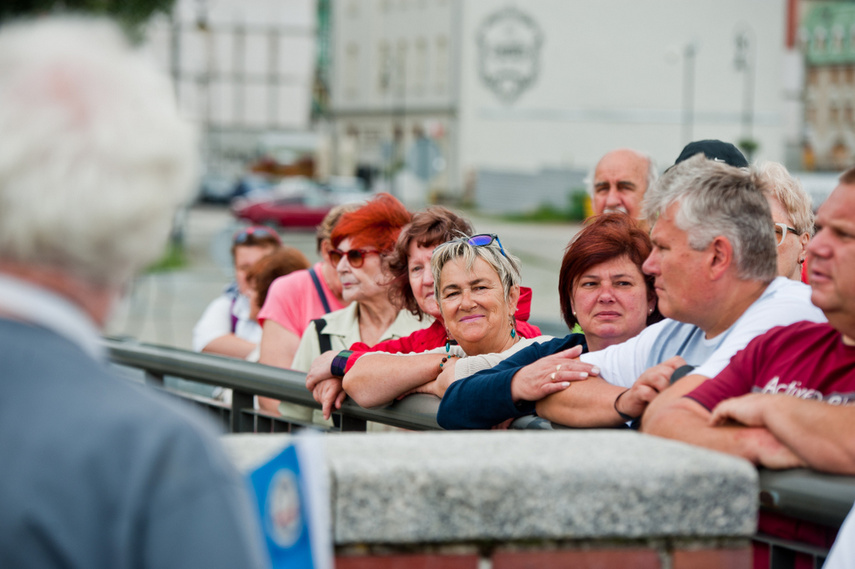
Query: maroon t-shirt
[805, 360]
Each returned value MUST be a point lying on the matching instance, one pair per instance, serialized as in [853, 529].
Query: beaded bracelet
[445, 359]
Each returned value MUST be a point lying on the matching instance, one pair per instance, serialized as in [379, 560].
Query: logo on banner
[285, 519]
[509, 53]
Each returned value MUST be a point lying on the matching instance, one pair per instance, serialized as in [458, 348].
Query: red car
[300, 211]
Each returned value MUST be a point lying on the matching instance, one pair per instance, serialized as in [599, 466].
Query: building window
[351, 70]
[441, 66]
[810, 112]
[819, 36]
[813, 76]
[420, 68]
[401, 66]
[384, 67]
[837, 39]
[834, 113]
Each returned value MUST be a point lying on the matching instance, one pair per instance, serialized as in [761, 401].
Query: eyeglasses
[781, 232]
[485, 239]
[255, 232]
[356, 257]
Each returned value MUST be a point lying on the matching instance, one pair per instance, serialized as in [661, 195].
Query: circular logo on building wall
[284, 518]
[509, 52]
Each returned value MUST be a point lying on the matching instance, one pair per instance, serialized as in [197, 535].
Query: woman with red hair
[361, 240]
[602, 290]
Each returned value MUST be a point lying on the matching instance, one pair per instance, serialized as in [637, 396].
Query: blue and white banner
[292, 494]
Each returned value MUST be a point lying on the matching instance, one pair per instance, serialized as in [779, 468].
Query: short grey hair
[652, 172]
[95, 158]
[506, 266]
[719, 200]
[788, 190]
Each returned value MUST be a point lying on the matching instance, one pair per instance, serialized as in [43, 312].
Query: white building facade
[242, 69]
[438, 91]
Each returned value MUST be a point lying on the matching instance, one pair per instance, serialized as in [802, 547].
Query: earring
[447, 344]
[513, 332]
[574, 313]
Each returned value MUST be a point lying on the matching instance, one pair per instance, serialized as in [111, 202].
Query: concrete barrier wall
[481, 500]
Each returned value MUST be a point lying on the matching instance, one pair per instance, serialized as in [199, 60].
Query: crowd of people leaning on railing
[95, 159]
[698, 275]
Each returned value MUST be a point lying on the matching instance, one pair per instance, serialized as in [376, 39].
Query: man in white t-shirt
[714, 265]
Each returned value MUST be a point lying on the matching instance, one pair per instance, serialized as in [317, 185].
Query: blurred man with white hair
[619, 181]
[99, 472]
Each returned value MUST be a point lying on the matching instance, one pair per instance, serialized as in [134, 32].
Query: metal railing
[800, 494]
[247, 379]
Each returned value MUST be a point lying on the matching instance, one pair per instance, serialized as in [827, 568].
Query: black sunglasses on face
[356, 257]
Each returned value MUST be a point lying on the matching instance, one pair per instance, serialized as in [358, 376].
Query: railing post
[353, 424]
[240, 421]
[153, 379]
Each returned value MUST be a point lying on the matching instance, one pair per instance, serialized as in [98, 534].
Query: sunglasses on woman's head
[485, 239]
[244, 235]
[356, 257]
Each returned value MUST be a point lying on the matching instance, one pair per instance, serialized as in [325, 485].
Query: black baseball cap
[714, 150]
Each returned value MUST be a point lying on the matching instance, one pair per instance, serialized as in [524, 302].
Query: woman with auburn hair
[602, 289]
[361, 240]
[413, 288]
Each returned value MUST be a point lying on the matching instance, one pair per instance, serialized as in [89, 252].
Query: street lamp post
[689, 52]
[744, 62]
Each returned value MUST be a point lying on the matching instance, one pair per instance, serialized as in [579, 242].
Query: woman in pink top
[296, 299]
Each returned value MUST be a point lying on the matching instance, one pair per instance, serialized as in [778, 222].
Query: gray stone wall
[408, 488]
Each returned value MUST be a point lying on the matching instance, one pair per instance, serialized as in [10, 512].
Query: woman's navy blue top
[483, 400]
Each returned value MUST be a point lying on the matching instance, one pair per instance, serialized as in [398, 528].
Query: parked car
[216, 188]
[305, 209]
[347, 189]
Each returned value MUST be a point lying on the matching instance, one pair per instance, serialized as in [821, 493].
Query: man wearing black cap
[714, 150]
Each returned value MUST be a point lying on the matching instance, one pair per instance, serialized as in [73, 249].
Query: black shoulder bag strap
[323, 339]
[320, 289]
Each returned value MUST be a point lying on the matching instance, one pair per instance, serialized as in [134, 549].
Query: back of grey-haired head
[95, 157]
[507, 267]
[715, 199]
[788, 190]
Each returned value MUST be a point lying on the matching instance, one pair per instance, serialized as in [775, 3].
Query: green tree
[131, 14]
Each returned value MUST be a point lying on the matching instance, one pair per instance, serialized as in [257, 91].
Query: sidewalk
[161, 308]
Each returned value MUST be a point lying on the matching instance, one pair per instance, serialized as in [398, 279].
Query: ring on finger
[552, 376]
[558, 367]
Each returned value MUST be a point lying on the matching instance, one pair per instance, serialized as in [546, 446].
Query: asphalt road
[161, 308]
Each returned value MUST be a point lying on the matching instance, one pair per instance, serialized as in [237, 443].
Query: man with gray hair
[714, 265]
[99, 472]
[619, 181]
